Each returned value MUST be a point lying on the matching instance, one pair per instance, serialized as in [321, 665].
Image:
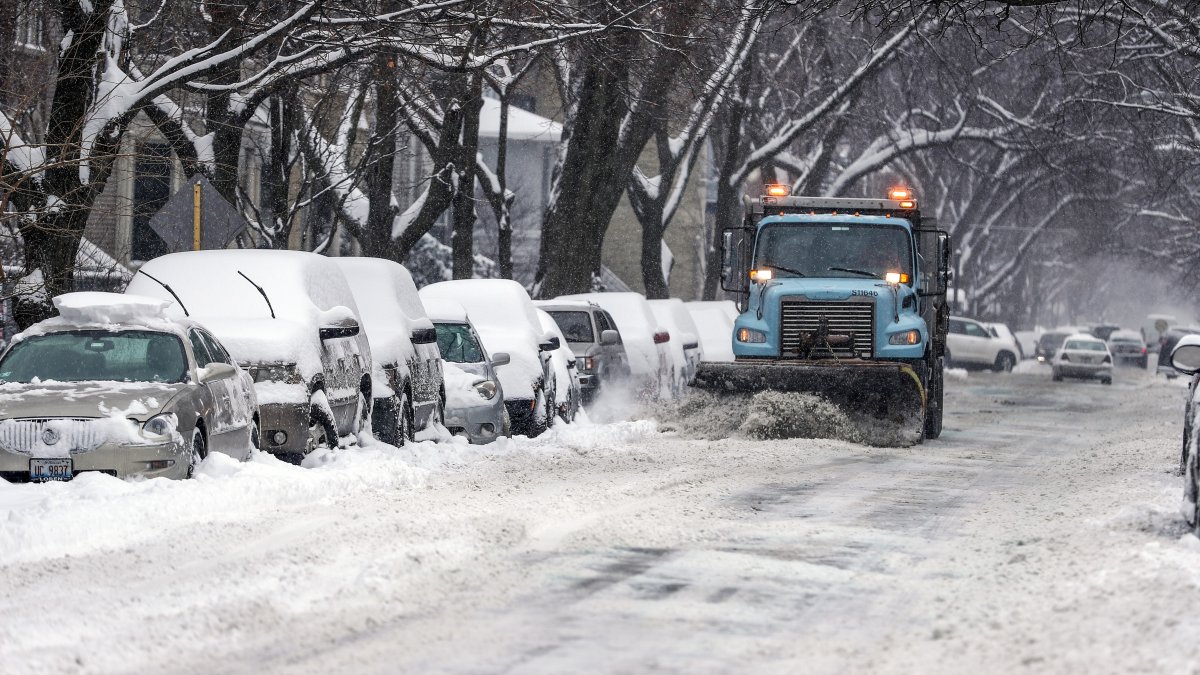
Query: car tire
[199, 450]
[321, 427]
[1183, 452]
[542, 414]
[1056, 376]
[1106, 380]
[406, 430]
[255, 438]
[1004, 362]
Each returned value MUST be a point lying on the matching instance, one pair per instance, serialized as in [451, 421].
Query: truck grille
[800, 317]
[27, 435]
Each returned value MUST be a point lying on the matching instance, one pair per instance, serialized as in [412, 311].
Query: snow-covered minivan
[290, 319]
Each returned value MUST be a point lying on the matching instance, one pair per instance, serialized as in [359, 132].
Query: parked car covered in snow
[685, 339]
[1185, 359]
[714, 325]
[1084, 356]
[650, 360]
[111, 386]
[406, 367]
[593, 338]
[1127, 346]
[567, 396]
[507, 321]
[287, 317]
[474, 394]
[971, 343]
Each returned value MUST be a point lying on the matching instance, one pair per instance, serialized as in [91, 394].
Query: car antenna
[169, 290]
[260, 290]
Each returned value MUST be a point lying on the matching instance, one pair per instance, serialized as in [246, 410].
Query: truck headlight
[486, 389]
[751, 336]
[909, 337]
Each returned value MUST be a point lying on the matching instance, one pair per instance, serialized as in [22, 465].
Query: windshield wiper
[853, 271]
[260, 290]
[173, 293]
[789, 270]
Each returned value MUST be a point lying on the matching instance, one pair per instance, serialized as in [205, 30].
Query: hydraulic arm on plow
[842, 298]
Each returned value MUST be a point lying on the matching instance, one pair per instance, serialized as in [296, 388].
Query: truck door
[735, 268]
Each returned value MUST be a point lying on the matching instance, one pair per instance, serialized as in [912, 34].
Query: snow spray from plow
[876, 403]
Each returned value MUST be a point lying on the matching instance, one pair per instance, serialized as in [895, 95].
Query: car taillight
[1143, 350]
[661, 337]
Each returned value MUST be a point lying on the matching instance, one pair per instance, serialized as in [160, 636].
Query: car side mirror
[609, 338]
[500, 359]
[1186, 358]
[343, 329]
[215, 372]
[549, 343]
[423, 336]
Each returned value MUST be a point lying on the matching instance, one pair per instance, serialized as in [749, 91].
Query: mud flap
[886, 399]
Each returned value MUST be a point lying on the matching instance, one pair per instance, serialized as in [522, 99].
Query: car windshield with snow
[109, 386]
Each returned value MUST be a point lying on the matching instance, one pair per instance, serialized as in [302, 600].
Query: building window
[151, 190]
[30, 29]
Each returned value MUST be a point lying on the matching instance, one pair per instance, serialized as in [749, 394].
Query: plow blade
[886, 399]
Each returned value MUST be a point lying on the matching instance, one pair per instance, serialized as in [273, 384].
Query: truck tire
[934, 399]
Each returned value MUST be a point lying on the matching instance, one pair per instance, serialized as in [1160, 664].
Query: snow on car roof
[630, 310]
[445, 310]
[1125, 335]
[490, 302]
[1084, 336]
[92, 307]
[386, 295]
[550, 305]
[299, 285]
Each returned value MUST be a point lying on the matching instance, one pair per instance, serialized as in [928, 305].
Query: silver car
[474, 396]
[125, 396]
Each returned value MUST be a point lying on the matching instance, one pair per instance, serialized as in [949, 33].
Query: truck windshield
[833, 250]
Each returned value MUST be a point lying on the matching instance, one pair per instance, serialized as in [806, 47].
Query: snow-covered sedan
[1185, 358]
[503, 313]
[685, 342]
[1083, 356]
[111, 386]
[474, 395]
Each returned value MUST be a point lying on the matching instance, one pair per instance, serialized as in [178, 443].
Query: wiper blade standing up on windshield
[854, 271]
[260, 290]
[173, 293]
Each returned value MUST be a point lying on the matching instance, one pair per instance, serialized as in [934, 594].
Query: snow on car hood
[262, 341]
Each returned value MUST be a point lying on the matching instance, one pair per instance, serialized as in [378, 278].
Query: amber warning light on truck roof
[778, 190]
[899, 193]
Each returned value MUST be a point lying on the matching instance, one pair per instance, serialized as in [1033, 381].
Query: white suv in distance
[971, 343]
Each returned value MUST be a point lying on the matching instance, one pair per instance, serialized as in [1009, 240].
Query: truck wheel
[1004, 363]
[934, 402]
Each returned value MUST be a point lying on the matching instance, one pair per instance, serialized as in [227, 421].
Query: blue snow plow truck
[842, 298]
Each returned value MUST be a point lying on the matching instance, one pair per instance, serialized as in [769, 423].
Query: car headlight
[286, 373]
[908, 337]
[486, 389]
[165, 425]
[747, 335]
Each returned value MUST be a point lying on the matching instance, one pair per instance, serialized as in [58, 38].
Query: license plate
[41, 470]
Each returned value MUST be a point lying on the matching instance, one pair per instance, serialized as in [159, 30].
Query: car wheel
[1004, 363]
[321, 428]
[1057, 376]
[1106, 380]
[255, 439]
[406, 430]
[199, 451]
[542, 415]
[364, 413]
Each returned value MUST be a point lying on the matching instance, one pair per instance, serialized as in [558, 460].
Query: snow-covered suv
[971, 343]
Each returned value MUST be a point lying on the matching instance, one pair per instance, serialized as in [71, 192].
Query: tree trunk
[462, 238]
[381, 211]
[504, 213]
[728, 196]
[652, 269]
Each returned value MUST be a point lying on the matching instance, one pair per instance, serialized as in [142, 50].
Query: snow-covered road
[1040, 533]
